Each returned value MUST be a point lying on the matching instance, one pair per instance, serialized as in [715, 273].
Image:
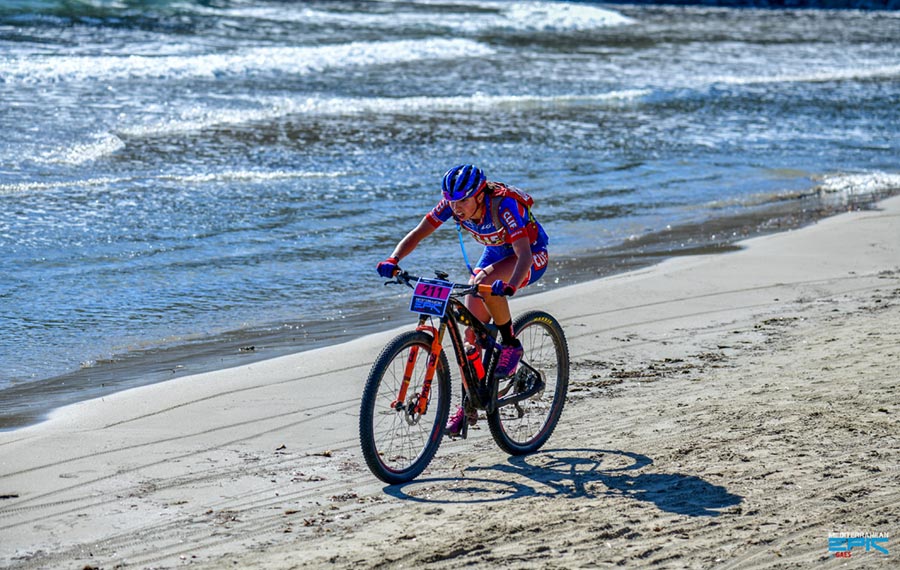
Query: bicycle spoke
[524, 426]
[397, 442]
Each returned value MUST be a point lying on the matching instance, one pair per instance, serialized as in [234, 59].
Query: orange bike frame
[437, 336]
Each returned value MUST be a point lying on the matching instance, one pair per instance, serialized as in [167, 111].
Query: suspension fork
[437, 338]
[437, 335]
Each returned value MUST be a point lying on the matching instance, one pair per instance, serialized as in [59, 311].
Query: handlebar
[402, 277]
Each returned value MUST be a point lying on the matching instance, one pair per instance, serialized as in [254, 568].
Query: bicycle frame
[406, 400]
[457, 314]
[484, 394]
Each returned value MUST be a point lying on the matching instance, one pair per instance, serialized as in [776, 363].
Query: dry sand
[725, 411]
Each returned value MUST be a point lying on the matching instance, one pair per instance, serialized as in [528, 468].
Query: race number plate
[430, 297]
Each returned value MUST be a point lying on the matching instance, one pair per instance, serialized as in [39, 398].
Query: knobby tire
[524, 428]
[397, 446]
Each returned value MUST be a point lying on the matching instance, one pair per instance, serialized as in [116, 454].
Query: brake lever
[402, 278]
[470, 290]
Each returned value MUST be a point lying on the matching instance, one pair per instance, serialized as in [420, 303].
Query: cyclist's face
[467, 208]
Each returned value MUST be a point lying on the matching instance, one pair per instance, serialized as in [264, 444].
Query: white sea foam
[477, 102]
[890, 71]
[196, 119]
[271, 109]
[248, 61]
[546, 16]
[490, 15]
[41, 186]
[859, 184]
[831, 187]
[247, 176]
[205, 178]
[100, 145]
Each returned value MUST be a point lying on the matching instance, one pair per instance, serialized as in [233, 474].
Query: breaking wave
[248, 61]
[490, 16]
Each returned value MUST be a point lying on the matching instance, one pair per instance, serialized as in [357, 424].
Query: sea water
[187, 182]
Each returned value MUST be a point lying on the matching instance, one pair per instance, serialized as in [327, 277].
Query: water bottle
[474, 356]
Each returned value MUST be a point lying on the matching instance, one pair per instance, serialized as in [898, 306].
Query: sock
[506, 334]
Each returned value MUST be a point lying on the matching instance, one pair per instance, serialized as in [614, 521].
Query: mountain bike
[407, 396]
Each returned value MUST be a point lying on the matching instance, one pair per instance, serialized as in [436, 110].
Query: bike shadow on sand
[574, 473]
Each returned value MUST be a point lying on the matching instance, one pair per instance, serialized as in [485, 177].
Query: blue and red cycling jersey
[515, 222]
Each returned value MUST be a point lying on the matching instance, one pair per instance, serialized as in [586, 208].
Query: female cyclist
[514, 256]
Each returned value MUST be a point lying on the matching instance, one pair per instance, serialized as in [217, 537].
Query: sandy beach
[726, 411]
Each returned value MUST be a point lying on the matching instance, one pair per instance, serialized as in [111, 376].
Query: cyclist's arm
[412, 239]
[522, 249]
[511, 218]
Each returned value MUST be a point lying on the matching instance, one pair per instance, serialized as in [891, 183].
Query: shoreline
[29, 403]
[712, 397]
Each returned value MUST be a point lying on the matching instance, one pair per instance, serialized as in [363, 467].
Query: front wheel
[398, 438]
[524, 426]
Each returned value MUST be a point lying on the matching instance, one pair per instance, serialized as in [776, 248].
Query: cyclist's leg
[496, 267]
[495, 263]
[479, 310]
[483, 270]
[511, 350]
[499, 263]
[498, 306]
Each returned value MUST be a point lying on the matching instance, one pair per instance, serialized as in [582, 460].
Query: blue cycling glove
[502, 289]
[388, 267]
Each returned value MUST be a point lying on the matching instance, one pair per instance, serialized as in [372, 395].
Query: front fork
[418, 404]
[421, 401]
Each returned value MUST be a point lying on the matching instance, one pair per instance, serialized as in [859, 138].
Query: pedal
[519, 411]
[463, 432]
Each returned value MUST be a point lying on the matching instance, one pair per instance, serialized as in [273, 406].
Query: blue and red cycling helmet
[463, 181]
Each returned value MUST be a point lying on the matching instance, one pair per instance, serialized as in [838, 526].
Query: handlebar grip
[484, 289]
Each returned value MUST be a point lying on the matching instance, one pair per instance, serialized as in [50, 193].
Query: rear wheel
[398, 441]
[524, 426]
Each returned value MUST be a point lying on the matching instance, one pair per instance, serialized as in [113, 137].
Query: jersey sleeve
[512, 219]
[440, 213]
